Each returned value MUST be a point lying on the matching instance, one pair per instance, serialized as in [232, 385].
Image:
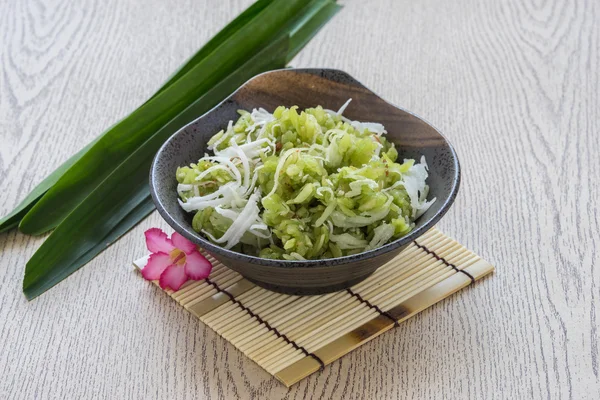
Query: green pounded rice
[308, 185]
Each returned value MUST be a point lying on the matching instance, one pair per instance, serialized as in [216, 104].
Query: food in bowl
[298, 186]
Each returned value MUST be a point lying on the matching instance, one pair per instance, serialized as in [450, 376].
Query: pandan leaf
[119, 201]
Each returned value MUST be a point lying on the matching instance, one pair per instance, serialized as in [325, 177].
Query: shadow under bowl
[306, 88]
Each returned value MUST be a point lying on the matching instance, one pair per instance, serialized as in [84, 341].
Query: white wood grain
[513, 84]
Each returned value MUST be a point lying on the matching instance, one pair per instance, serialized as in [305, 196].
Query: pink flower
[173, 261]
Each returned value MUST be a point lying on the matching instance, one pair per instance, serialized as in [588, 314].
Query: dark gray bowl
[307, 88]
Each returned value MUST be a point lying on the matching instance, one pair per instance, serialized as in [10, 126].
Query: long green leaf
[14, 217]
[117, 144]
[83, 233]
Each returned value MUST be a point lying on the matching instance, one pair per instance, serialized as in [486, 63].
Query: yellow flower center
[177, 256]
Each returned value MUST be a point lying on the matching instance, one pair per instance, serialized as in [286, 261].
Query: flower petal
[157, 241]
[156, 265]
[197, 266]
[173, 277]
[182, 243]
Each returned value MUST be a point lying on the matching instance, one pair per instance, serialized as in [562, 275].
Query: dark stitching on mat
[265, 323]
[374, 307]
[444, 261]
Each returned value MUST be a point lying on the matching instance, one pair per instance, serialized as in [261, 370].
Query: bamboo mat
[292, 337]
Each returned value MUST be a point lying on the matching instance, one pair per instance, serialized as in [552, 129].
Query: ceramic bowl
[307, 88]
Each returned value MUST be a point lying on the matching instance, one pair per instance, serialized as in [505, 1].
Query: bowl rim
[325, 262]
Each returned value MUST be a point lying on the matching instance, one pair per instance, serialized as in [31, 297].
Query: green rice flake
[302, 185]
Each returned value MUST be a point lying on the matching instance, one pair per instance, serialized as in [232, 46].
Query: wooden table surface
[513, 84]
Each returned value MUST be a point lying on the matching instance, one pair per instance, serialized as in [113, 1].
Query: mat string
[444, 261]
[266, 324]
[374, 307]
